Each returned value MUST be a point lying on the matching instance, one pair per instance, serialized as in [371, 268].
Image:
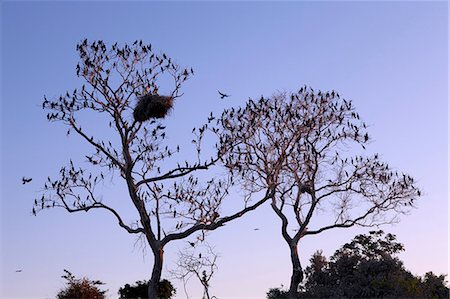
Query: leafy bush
[80, 288]
[277, 293]
[140, 290]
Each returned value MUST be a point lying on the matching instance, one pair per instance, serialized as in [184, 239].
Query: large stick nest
[152, 106]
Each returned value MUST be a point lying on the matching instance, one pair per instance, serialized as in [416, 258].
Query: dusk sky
[389, 58]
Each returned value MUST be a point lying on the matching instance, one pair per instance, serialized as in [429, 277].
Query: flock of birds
[26, 180]
[222, 95]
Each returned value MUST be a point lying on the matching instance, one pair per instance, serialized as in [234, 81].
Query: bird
[26, 180]
[256, 229]
[19, 270]
[222, 95]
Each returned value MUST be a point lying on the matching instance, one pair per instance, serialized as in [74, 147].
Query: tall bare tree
[172, 202]
[304, 143]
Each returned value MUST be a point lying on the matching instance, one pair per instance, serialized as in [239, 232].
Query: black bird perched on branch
[222, 95]
[25, 180]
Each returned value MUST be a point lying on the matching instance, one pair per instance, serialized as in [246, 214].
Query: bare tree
[200, 263]
[302, 143]
[172, 201]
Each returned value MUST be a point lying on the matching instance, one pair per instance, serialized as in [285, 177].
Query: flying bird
[26, 180]
[222, 95]
[256, 229]
[19, 270]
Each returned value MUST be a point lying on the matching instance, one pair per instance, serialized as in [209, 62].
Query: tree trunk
[205, 291]
[297, 272]
[156, 274]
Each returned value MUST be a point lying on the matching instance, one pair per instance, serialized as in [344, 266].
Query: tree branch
[99, 205]
[220, 222]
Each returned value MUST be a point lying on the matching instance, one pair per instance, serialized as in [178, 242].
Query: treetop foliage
[371, 246]
[297, 143]
[115, 76]
[140, 290]
[290, 148]
[366, 267]
[81, 288]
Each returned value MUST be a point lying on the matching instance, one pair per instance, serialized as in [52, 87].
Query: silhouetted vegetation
[297, 144]
[365, 268]
[200, 264]
[290, 148]
[140, 290]
[80, 288]
[172, 200]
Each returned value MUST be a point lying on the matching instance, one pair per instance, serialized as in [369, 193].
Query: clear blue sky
[390, 58]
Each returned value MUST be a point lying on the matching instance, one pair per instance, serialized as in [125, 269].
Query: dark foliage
[298, 144]
[365, 268]
[276, 293]
[434, 286]
[152, 106]
[140, 290]
[80, 288]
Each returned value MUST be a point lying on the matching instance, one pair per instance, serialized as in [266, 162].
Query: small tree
[201, 264]
[81, 288]
[300, 143]
[172, 201]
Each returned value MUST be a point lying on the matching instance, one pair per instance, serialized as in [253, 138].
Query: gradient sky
[390, 58]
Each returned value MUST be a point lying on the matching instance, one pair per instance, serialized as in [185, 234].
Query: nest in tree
[152, 106]
[305, 189]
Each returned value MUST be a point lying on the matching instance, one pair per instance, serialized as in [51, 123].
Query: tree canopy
[366, 267]
[173, 201]
[304, 146]
[140, 290]
[291, 149]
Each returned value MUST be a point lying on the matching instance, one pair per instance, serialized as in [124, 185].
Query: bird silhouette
[19, 270]
[26, 180]
[222, 95]
[366, 137]
[256, 229]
